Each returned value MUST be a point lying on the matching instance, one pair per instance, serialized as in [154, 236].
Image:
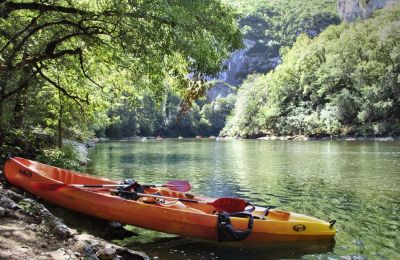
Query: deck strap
[125, 192]
[225, 230]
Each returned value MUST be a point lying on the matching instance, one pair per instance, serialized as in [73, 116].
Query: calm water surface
[355, 183]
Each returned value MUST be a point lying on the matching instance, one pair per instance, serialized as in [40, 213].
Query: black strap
[225, 230]
[125, 192]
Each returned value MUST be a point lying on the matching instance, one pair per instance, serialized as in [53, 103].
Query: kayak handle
[331, 223]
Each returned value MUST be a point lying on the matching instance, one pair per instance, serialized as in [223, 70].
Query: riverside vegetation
[75, 70]
[343, 82]
[71, 68]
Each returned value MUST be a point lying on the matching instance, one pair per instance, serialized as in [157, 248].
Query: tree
[90, 52]
[63, 64]
[345, 81]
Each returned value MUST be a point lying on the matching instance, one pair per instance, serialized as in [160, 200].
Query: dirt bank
[28, 230]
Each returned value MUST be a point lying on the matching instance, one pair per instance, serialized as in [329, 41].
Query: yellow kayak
[164, 209]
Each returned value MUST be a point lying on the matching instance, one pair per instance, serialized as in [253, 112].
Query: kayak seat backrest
[181, 206]
[279, 215]
[174, 194]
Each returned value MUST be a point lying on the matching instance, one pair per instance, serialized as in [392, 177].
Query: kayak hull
[185, 219]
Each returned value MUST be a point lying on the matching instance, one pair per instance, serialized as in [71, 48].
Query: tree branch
[75, 98]
[9, 7]
[43, 57]
[38, 28]
[51, 46]
[84, 71]
[13, 38]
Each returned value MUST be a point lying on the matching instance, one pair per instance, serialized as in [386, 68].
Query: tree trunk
[60, 130]
[21, 98]
[19, 106]
[3, 83]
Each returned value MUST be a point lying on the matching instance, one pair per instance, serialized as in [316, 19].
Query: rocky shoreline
[337, 138]
[268, 137]
[28, 230]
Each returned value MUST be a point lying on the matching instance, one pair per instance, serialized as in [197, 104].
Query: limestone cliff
[349, 10]
[266, 30]
[240, 64]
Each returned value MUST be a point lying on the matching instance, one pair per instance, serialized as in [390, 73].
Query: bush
[66, 158]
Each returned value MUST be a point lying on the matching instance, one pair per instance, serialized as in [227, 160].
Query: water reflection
[183, 248]
[356, 183]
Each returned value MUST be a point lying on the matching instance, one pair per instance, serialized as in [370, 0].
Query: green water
[355, 183]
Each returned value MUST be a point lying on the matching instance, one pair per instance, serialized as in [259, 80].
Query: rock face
[218, 91]
[349, 10]
[241, 63]
[246, 61]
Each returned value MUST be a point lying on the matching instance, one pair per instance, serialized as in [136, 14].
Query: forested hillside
[269, 26]
[343, 82]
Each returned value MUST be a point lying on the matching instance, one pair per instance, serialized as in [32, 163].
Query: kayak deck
[181, 218]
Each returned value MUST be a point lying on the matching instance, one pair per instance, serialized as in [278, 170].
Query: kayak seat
[278, 215]
[148, 200]
[174, 194]
[179, 205]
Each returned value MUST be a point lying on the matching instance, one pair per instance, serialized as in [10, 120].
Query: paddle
[228, 205]
[176, 185]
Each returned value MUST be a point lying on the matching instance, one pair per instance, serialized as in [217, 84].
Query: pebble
[33, 227]
[6, 234]
[3, 212]
[14, 196]
[107, 253]
[88, 250]
[8, 203]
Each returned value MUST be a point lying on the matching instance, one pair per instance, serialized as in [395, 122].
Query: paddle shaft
[222, 204]
[176, 185]
[159, 196]
[115, 185]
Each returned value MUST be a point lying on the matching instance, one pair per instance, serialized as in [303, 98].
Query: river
[357, 183]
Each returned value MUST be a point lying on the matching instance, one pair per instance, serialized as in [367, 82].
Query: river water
[356, 183]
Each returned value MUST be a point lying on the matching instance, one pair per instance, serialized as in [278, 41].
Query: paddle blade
[178, 185]
[43, 186]
[229, 205]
